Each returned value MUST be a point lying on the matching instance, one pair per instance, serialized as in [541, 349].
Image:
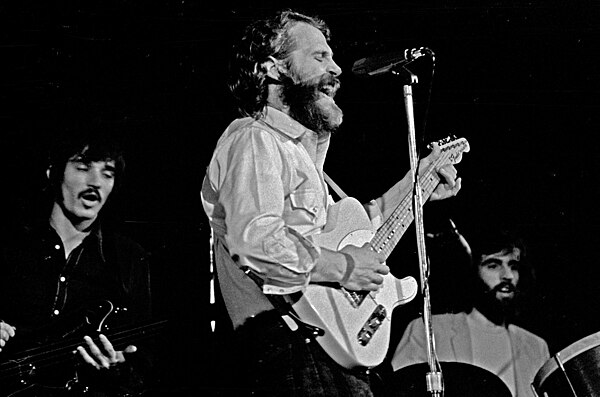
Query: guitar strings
[388, 230]
[24, 361]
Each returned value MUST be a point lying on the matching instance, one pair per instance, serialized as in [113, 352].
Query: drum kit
[573, 372]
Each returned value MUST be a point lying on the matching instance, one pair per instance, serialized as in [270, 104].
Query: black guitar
[49, 365]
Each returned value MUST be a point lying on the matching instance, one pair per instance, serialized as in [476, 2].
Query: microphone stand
[434, 379]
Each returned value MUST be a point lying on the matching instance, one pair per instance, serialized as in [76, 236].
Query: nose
[507, 273]
[334, 69]
[93, 177]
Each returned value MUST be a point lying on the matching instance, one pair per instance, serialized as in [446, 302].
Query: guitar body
[357, 324]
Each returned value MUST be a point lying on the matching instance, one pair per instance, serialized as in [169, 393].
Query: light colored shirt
[265, 197]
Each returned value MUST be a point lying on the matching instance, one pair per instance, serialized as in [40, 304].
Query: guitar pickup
[371, 325]
[356, 298]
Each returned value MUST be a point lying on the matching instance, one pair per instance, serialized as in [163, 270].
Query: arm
[354, 268]
[448, 187]
[272, 208]
[129, 367]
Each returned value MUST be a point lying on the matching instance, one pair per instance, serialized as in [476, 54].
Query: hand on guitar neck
[435, 163]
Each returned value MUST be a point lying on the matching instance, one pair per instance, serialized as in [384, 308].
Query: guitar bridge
[371, 325]
[356, 298]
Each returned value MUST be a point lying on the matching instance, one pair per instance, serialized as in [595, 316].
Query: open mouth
[91, 197]
[506, 289]
[329, 90]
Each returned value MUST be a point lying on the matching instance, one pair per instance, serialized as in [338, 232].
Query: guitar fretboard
[389, 234]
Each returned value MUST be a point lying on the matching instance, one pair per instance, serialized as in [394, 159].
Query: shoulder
[449, 319]
[440, 321]
[249, 131]
[123, 245]
[527, 335]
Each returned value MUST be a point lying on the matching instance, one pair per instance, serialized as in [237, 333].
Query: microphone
[460, 237]
[384, 63]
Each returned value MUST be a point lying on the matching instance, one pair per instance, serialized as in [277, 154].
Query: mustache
[505, 284]
[328, 80]
[308, 91]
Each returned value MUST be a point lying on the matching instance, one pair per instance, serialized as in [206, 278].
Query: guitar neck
[390, 233]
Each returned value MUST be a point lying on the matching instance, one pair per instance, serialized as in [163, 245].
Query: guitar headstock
[452, 148]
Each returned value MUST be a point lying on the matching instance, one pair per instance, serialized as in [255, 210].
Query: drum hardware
[562, 369]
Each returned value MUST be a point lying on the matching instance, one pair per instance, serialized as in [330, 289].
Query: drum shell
[581, 375]
[460, 379]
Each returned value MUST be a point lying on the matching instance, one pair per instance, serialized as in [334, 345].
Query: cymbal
[460, 380]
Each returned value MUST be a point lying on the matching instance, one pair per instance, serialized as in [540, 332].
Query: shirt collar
[94, 239]
[316, 146]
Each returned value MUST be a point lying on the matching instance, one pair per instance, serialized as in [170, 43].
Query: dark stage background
[518, 79]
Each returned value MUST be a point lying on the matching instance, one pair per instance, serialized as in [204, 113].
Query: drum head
[460, 380]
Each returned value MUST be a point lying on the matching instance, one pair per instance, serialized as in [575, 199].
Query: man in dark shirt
[66, 270]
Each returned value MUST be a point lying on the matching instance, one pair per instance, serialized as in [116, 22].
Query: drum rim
[573, 350]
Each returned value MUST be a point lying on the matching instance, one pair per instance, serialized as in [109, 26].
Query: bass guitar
[356, 324]
[48, 364]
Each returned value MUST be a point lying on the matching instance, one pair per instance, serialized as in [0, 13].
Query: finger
[130, 349]
[108, 348]
[449, 175]
[457, 186]
[377, 279]
[8, 329]
[384, 269]
[95, 350]
[86, 357]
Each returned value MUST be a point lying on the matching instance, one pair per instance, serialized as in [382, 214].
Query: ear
[273, 68]
[48, 172]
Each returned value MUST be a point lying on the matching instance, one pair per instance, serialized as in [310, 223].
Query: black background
[518, 79]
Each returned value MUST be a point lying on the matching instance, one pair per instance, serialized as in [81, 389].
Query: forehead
[505, 255]
[307, 38]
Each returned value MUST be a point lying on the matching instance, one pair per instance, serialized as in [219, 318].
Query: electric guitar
[357, 323]
[48, 364]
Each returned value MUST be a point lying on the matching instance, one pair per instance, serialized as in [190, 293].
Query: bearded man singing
[265, 196]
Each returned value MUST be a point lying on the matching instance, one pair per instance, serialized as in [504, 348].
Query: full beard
[500, 311]
[310, 106]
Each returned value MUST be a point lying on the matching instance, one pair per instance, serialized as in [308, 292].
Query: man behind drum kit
[485, 336]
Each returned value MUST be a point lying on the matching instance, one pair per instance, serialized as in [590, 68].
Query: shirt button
[56, 312]
[62, 279]
[57, 247]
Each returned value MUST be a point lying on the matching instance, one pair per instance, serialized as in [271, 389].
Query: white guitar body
[356, 334]
[357, 324]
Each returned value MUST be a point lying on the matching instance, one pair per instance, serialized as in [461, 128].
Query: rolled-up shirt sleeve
[254, 182]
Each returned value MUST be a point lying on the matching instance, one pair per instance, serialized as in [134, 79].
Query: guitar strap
[338, 190]
[285, 309]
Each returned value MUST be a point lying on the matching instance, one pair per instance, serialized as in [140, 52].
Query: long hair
[262, 39]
